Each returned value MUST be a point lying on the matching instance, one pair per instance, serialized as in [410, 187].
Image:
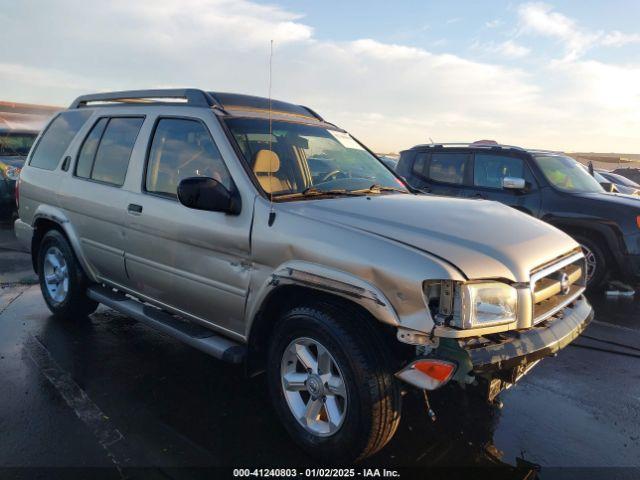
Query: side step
[199, 337]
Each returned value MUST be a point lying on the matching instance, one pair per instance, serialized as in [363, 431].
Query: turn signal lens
[638, 221]
[428, 373]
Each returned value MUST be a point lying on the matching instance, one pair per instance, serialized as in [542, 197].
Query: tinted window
[56, 139]
[112, 157]
[420, 165]
[490, 169]
[448, 167]
[181, 149]
[89, 147]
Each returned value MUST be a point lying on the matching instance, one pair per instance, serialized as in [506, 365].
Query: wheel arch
[286, 296]
[46, 219]
[607, 236]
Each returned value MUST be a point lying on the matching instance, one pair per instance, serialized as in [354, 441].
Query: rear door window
[89, 148]
[106, 151]
[56, 138]
[448, 167]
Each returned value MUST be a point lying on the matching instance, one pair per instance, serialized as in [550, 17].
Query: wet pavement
[108, 392]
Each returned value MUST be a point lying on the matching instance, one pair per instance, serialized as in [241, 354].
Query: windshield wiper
[310, 192]
[377, 188]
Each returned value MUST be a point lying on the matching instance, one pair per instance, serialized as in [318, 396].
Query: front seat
[266, 166]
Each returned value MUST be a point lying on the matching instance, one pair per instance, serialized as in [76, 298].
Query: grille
[556, 285]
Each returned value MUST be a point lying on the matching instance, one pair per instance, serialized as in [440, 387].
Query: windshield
[297, 159]
[567, 174]
[12, 144]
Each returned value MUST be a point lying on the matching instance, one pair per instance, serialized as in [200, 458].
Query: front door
[193, 261]
[489, 170]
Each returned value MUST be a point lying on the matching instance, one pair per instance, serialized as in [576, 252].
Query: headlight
[13, 173]
[472, 305]
[485, 304]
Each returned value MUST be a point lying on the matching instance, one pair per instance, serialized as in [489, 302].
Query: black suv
[548, 185]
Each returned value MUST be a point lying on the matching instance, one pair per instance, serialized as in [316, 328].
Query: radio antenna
[272, 212]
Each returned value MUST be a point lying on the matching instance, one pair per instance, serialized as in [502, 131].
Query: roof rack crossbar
[192, 97]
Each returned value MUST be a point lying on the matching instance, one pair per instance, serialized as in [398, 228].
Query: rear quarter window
[56, 138]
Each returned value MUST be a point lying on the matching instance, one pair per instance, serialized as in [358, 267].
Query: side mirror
[204, 193]
[513, 183]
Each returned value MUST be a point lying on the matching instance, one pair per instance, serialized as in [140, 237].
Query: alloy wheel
[313, 386]
[591, 262]
[56, 274]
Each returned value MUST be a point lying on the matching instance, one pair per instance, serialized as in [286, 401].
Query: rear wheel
[596, 261]
[62, 280]
[331, 384]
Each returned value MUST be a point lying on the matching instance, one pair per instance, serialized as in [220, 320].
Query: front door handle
[133, 208]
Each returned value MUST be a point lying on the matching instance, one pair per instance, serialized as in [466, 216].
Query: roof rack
[191, 97]
[313, 112]
[488, 146]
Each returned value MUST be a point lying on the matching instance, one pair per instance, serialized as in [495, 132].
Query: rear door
[93, 196]
[442, 173]
[490, 168]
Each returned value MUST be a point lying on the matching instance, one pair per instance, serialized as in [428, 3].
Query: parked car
[14, 148]
[547, 185]
[628, 172]
[623, 184]
[390, 162]
[204, 219]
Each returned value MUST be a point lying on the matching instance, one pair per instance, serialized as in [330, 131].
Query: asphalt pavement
[108, 393]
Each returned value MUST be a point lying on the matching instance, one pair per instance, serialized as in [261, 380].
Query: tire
[65, 295]
[370, 402]
[594, 252]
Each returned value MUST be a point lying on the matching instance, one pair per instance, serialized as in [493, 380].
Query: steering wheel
[333, 175]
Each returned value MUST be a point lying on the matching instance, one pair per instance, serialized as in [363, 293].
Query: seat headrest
[266, 161]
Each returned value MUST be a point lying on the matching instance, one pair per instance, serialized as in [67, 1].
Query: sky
[562, 75]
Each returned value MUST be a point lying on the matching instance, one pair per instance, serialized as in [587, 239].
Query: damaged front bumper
[503, 358]
[509, 349]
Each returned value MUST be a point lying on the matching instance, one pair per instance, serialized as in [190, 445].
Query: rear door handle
[133, 208]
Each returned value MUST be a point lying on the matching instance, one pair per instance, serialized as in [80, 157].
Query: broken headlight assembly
[472, 304]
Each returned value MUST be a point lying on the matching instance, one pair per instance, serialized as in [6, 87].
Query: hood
[483, 239]
[613, 198]
[13, 160]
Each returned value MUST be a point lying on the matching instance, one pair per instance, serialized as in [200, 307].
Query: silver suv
[257, 232]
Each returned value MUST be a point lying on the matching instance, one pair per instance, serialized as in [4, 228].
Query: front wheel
[62, 280]
[596, 262]
[330, 383]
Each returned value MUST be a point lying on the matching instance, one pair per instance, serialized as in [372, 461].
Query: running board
[195, 335]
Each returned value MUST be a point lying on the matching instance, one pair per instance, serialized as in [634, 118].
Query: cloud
[493, 23]
[508, 49]
[389, 95]
[539, 18]
[619, 39]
